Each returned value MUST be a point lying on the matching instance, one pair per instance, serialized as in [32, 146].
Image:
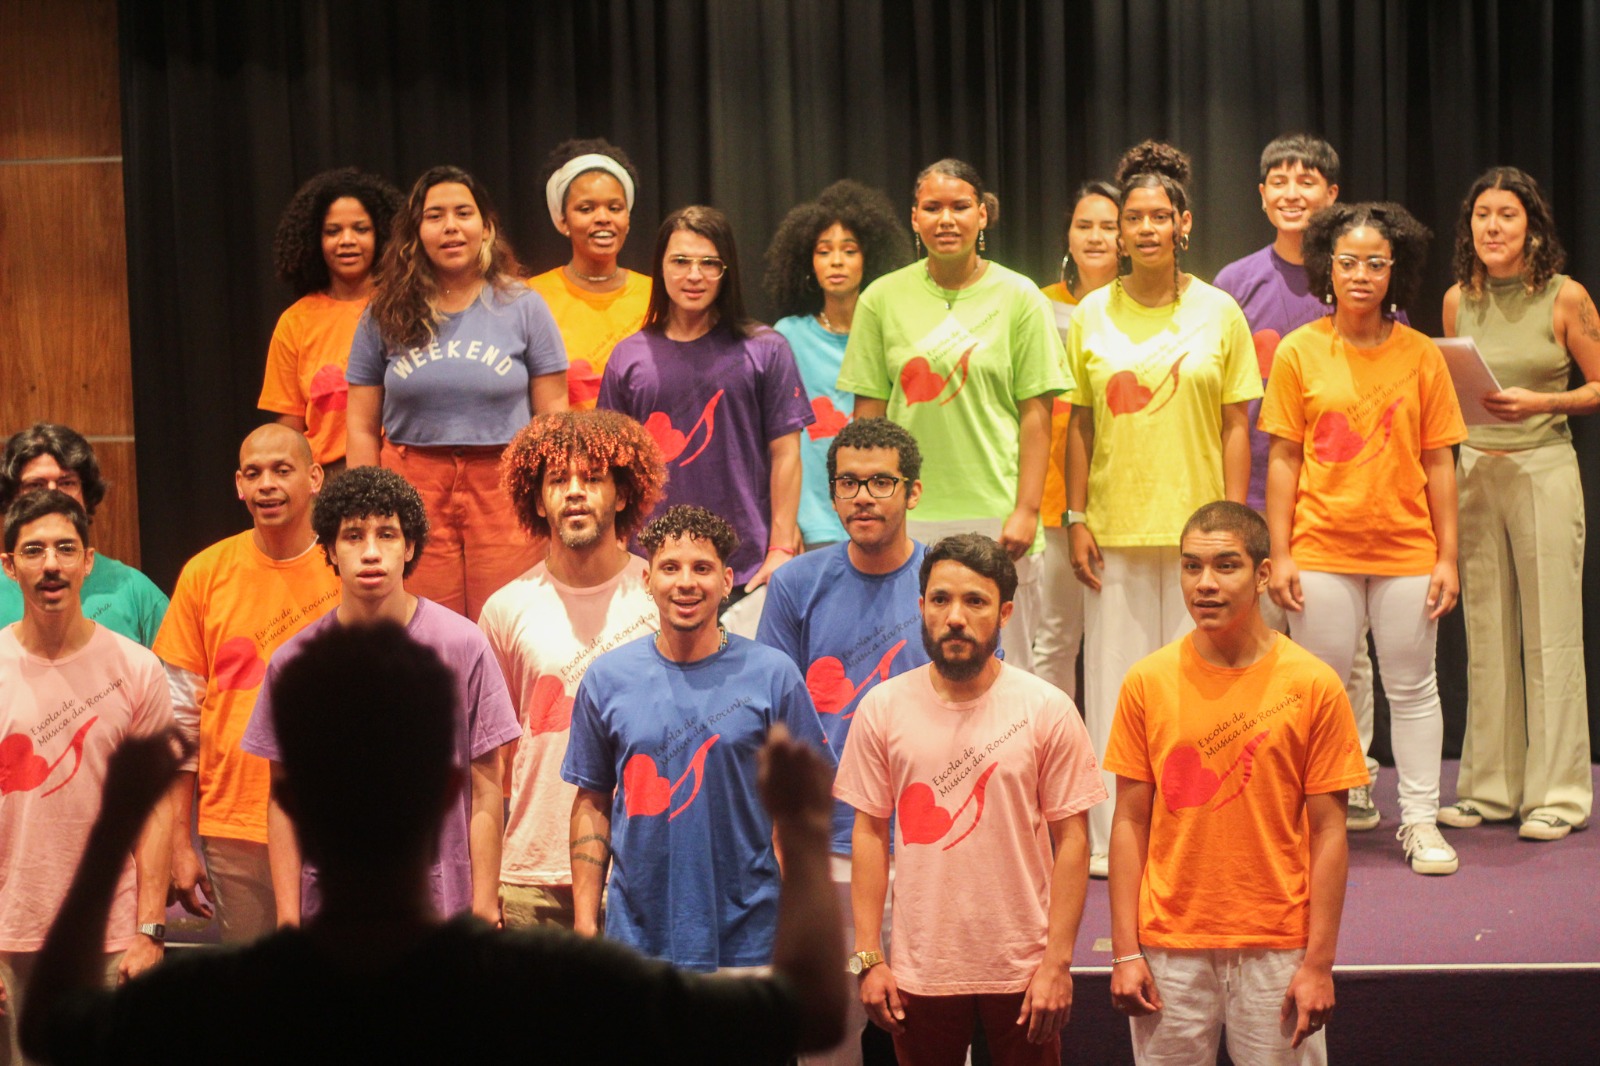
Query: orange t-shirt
[305, 368]
[232, 608]
[1233, 754]
[1054, 503]
[591, 324]
[1363, 416]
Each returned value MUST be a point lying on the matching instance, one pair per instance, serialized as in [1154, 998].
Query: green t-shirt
[953, 375]
[114, 594]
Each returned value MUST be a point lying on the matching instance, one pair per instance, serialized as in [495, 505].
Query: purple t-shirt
[713, 404]
[484, 721]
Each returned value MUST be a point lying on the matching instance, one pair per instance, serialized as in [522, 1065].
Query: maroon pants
[939, 1030]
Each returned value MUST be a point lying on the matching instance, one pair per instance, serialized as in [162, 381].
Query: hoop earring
[1183, 243]
[980, 242]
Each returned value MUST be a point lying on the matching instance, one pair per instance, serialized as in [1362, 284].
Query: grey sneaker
[1426, 849]
[1546, 827]
[1462, 814]
[1361, 814]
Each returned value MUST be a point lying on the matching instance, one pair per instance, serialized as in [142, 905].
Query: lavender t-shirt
[484, 721]
[713, 404]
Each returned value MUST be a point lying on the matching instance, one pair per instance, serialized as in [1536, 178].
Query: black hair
[1310, 152]
[982, 555]
[1095, 187]
[1542, 254]
[714, 226]
[32, 506]
[878, 433]
[63, 444]
[1225, 516]
[1157, 165]
[695, 523]
[961, 171]
[791, 279]
[361, 492]
[1408, 244]
[297, 247]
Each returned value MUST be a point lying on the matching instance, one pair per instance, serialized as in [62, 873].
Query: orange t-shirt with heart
[1363, 417]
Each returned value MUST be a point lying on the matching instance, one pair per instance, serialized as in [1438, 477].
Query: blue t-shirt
[713, 404]
[818, 353]
[847, 631]
[694, 879]
[469, 385]
[114, 594]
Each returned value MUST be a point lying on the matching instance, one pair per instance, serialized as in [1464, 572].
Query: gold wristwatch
[862, 961]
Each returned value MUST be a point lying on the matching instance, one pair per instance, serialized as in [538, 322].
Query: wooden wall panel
[59, 87]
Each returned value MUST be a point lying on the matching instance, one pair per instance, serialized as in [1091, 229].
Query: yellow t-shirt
[1363, 417]
[1233, 754]
[1157, 379]
[305, 368]
[591, 324]
[232, 608]
[1054, 504]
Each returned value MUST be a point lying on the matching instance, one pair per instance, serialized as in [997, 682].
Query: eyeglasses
[67, 483]
[879, 486]
[710, 266]
[66, 551]
[1376, 264]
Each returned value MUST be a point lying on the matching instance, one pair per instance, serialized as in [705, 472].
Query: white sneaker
[1462, 814]
[1361, 814]
[1100, 866]
[1546, 827]
[1426, 849]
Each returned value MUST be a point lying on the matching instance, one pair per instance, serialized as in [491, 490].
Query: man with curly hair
[373, 529]
[583, 482]
[235, 604]
[665, 732]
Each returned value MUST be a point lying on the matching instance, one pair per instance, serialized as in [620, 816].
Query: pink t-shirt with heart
[545, 635]
[973, 787]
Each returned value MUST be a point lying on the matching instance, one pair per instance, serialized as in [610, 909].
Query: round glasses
[680, 266]
[879, 486]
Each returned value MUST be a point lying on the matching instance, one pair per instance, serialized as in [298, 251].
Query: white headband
[555, 190]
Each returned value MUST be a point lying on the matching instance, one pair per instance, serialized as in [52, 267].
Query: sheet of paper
[1472, 378]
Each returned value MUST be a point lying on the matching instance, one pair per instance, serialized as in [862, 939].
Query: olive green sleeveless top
[1516, 334]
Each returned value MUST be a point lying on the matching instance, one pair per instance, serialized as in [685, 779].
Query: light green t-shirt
[953, 375]
[114, 594]
[1157, 379]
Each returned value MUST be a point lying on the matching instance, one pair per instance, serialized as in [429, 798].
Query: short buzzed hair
[1225, 516]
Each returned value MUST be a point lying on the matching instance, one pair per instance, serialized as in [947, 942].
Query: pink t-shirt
[545, 635]
[60, 720]
[973, 788]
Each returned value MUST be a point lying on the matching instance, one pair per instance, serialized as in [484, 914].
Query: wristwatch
[862, 961]
[155, 931]
[1075, 518]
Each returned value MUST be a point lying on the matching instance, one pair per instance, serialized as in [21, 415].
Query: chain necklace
[722, 643]
[593, 279]
[949, 301]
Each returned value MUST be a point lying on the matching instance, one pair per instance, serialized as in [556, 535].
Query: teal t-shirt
[954, 375]
[114, 594]
[818, 353]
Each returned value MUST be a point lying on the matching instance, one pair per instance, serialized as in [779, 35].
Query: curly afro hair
[361, 492]
[595, 439]
[297, 247]
[868, 433]
[1543, 256]
[696, 523]
[66, 446]
[791, 280]
[1408, 244]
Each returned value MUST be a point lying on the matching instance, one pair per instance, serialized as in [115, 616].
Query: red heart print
[237, 667]
[583, 384]
[668, 439]
[830, 420]
[1185, 781]
[922, 820]
[1124, 394]
[21, 769]
[1266, 341]
[919, 381]
[1333, 441]
[329, 391]
[644, 791]
[551, 707]
[830, 689]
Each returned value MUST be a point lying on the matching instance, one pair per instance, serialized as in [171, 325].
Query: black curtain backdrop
[753, 107]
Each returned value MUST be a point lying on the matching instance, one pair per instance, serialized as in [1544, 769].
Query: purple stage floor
[1513, 902]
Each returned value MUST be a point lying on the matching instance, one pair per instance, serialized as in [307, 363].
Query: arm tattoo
[579, 856]
[591, 838]
[1588, 321]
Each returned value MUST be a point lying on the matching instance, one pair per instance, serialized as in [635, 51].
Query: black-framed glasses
[879, 486]
[711, 268]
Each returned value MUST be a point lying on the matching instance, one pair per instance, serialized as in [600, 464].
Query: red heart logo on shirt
[922, 820]
[1333, 441]
[237, 667]
[830, 689]
[21, 770]
[329, 390]
[667, 437]
[644, 791]
[830, 419]
[1266, 341]
[919, 381]
[1124, 394]
[1186, 782]
[551, 709]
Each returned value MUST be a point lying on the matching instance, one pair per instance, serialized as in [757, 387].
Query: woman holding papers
[1361, 488]
[1526, 750]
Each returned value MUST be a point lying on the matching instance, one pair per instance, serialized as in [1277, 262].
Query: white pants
[1017, 637]
[1206, 990]
[1138, 610]
[1358, 688]
[1060, 631]
[1337, 607]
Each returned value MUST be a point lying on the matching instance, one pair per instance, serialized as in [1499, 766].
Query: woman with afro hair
[328, 245]
[589, 188]
[824, 253]
[1361, 489]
